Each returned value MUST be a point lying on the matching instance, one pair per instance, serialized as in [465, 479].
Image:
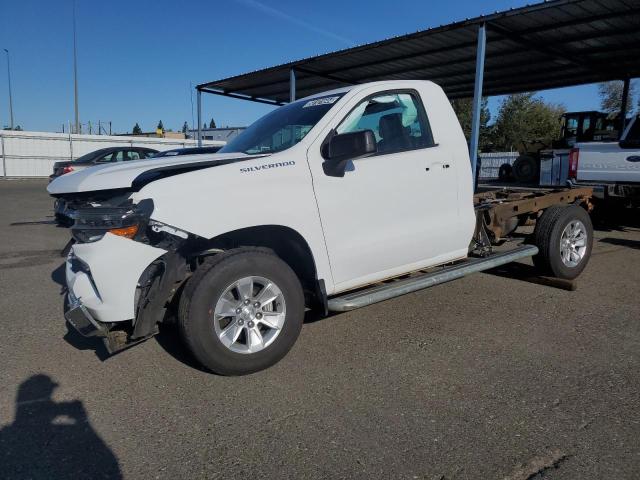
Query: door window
[132, 155]
[397, 120]
[116, 156]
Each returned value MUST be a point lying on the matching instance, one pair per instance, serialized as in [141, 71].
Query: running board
[379, 293]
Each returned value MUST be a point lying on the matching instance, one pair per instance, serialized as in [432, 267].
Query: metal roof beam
[241, 97]
[543, 48]
[325, 76]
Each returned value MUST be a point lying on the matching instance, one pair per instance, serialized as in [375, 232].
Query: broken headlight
[91, 224]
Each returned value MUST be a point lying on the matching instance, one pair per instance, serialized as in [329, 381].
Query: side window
[397, 120]
[132, 155]
[106, 158]
[572, 127]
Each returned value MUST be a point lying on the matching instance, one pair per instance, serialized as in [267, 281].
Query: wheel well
[288, 244]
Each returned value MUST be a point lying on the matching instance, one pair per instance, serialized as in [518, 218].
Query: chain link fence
[490, 163]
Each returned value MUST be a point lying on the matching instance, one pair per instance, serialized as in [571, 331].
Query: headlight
[92, 223]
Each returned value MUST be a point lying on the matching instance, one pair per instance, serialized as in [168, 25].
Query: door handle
[633, 158]
[444, 165]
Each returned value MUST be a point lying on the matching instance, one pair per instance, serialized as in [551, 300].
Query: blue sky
[137, 59]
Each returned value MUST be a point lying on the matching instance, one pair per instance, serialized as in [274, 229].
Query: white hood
[122, 174]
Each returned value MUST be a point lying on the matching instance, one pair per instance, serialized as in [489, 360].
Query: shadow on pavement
[50, 439]
[169, 339]
[610, 218]
[79, 342]
[622, 242]
[58, 276]
[530, 274]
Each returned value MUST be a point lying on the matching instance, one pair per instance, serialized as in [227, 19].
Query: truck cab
[612, 168]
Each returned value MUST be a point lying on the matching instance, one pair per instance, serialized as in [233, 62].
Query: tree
[526, 122]
[212, 123]
[464, 111]
[136, 129]
[185, 128]
[611, 96]
[204, 126]
[160, 126]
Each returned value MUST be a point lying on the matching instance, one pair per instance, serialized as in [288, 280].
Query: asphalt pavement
[488, 377]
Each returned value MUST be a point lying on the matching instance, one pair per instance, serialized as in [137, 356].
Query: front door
[391, 212]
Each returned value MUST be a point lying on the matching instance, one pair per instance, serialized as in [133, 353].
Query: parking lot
[486, 377]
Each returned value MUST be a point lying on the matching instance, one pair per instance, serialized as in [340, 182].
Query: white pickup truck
[335, 201]
[611, 168]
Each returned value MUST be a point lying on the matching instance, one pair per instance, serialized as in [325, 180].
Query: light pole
[75, 70]
[10, 96]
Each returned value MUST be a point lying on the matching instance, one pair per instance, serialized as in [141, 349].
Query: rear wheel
[242, 311]
[505, 172]
[525, 169]
[564, 237]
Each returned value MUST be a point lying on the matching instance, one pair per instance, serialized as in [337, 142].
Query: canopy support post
[292, 85]
[199, 118]
[623, 105]
[477, 100]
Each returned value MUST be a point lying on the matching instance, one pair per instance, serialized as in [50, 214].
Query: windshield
[282, 128]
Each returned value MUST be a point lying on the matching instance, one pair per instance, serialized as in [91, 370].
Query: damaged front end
[125, 269]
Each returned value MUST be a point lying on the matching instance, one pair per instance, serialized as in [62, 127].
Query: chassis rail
[506, 208]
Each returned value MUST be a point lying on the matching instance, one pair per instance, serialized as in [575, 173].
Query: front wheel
[242, 311]
[564, 237]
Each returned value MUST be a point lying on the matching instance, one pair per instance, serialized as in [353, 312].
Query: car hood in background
[125, 174]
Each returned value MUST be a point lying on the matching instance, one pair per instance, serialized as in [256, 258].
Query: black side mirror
[340, 148]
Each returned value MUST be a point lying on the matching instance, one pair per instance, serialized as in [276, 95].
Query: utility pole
[10, 96]
[75, 69]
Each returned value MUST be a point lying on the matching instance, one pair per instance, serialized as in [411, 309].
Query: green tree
[212, 123]
[525, 123]
[185, 127]
[464, 111]
[136, 129]
[611, 96]
[160, 126]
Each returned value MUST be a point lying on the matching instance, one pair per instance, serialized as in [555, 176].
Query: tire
[553, 230]
[505, 172]
[214, 289]
[525, 169]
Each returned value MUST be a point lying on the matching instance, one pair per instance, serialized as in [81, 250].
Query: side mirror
[341, 148]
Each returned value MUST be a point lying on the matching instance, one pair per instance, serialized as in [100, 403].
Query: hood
[134, 174]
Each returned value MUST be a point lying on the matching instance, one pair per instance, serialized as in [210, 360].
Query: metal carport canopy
[547, 45]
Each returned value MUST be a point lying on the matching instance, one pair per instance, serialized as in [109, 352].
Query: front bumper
[79, 318]
[102, 278]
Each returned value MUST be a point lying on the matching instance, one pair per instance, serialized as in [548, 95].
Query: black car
[188, 151]
[102, 156]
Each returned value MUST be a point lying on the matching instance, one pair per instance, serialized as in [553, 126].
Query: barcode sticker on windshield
[320, 101]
